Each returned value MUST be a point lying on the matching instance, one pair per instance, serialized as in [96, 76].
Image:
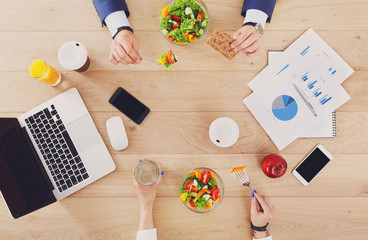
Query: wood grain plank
[346, 171]
[117, 218]
[352, 46]
[187, 133]
[72, 15]
[197, 91]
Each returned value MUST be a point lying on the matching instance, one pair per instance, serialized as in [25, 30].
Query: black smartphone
[129, 105]
[312, 165]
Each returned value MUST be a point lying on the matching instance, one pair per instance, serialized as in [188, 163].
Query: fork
[149, 60]
[245, 181]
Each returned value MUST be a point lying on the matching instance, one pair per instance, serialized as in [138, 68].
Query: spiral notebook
[324, 129]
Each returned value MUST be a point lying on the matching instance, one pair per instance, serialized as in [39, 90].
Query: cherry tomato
[176, 25]
[188, 184]
[170, 57]
[176, 18]
[206, 175]
[200, 16]
[215, 193]
[192, 204]
[171, 38]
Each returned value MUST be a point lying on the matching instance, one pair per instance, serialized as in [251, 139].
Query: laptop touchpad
[84, 133]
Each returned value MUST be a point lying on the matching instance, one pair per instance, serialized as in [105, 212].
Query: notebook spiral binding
[334, 124]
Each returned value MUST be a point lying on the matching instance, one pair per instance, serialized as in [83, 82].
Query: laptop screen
[22, 179]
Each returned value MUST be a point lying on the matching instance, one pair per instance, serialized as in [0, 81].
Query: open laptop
[50, 152]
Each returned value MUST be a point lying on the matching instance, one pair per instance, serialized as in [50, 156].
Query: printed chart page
[285, 115]
[323, 129]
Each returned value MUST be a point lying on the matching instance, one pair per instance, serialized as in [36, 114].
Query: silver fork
[245, 181]
[149, 60]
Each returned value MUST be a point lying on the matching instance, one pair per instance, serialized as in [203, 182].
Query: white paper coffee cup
[73, 55]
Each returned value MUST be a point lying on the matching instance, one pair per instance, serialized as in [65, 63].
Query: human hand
[124, 49]
[147, 194]
[258, 218]
[247, 41]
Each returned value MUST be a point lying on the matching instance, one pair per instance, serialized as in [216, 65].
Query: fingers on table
[264, 204]
[253, 206]
[123, 53]
[113, 59]
[271, 206]
[117, 56]
[240, 39]
[131, 51]
[248, 42]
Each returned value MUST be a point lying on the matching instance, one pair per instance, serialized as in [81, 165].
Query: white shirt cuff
[256, 16]
[266, 238]
[149, 234]
[115, 20]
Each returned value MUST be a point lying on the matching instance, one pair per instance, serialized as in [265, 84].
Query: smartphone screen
[129, 105]
[312, 165]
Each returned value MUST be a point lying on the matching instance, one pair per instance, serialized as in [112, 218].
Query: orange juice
[42, 71]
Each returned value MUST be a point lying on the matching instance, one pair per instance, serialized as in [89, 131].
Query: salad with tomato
[167, 59]
[184, 21]
[200, 190]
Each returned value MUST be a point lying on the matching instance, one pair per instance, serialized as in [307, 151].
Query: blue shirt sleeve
[265, 6]
[105, 7]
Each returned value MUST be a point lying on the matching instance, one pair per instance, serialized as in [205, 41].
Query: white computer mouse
[116, 131]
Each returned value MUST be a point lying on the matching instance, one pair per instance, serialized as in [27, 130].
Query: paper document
[299, 89]
[326, 128]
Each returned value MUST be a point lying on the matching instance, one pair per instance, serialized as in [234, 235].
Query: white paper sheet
[326, 127]
[317, 71]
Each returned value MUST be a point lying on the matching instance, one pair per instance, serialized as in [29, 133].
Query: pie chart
[284, 108]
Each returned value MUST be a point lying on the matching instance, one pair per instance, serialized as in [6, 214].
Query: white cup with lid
[73, 55]
[224, 132]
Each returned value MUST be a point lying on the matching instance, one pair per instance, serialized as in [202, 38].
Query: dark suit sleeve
[265, 6]
[105, 7]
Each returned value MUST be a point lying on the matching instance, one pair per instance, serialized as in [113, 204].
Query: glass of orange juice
[42, 71]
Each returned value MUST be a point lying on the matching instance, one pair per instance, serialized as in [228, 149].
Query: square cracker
[220, 41]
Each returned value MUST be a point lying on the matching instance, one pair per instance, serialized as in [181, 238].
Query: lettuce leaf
[165, 24]
[212, 182]
[201, 203]
[187, 24]
[178, 35]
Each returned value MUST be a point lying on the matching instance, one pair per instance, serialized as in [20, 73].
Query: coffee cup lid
[72, 55]
[224, 132]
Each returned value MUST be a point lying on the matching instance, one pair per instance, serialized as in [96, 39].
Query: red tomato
[171, 38]
[176, 18]
[215, 193]
[192, 204]
[176, 25]
[206, 175]
[194, 25]
[170, 57]
[200, 16]
[188, 184]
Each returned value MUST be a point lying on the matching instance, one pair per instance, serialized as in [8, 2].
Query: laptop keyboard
[57, 148]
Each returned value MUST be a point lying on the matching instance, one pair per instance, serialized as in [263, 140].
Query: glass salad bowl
[184, 22]
[201, 190]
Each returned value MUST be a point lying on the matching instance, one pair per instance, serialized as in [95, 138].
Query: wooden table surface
[201, 87]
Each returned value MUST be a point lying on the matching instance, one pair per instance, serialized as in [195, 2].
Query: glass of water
[146, 172]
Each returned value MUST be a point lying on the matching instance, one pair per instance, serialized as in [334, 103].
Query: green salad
[167, 59]
[183, 21]
[200, 190]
